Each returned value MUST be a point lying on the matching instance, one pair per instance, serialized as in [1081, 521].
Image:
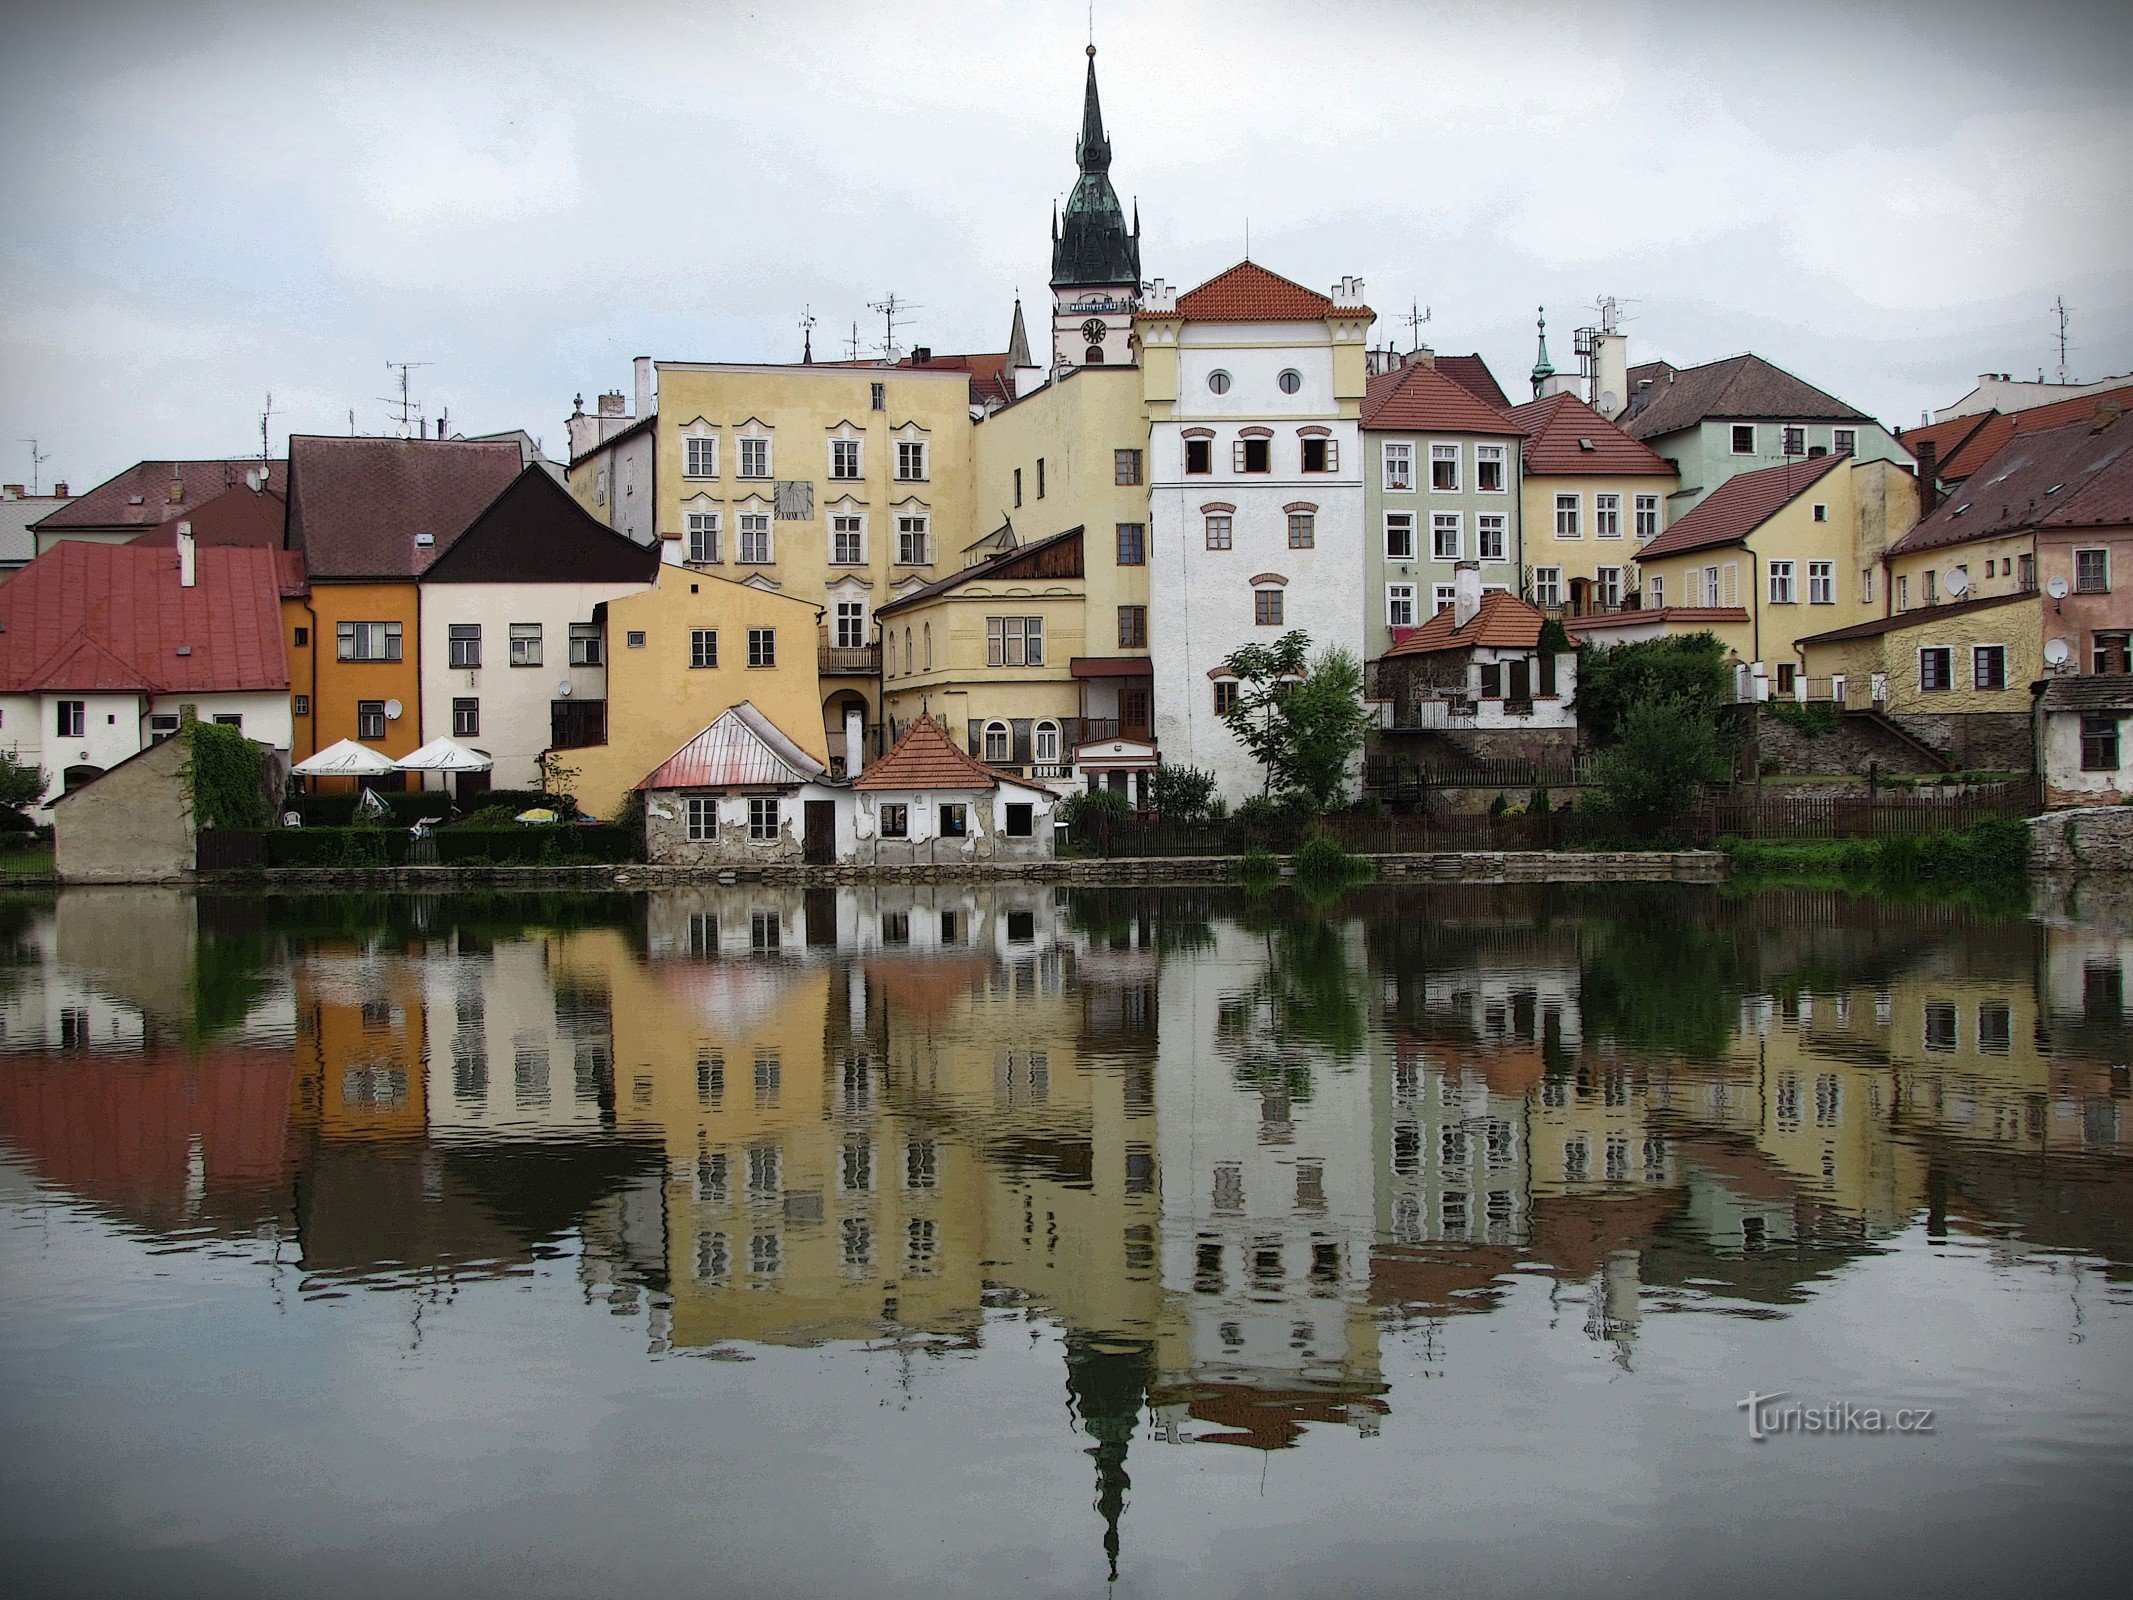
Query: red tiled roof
[1423, 399]
[741, 749]
[2075, 475]
[1557, 430]
[110, 504]
[1504, 622]
[87, 616]
[1946, 437]
[1602, 621]
[1740, 505]
[988, 374]
[1988, 441]
[239, 516]
[926, 758]
[1472, 374]
[1248, 292]
[358, 508]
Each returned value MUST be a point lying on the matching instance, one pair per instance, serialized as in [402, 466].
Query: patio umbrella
[445, 755]
[345, 759]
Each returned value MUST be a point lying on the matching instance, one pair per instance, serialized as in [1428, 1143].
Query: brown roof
[242, 516]
[361, 508]
[1504, 622]
[1248, 292]
[534, 532]
[1742, 386]
[1947, 438]
[1740, 505]
[1472, 374]
[1918, 617]
[926, 758]
[2075, 475]
[1110, 667]
[988, 374]
[1998, 428]
[2104, 692]
[1058, 557]
[112, 504]
[1423, 399]
[1559, 428]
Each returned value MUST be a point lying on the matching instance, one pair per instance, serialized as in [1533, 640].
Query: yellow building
[1591, 498]
[841, 486]
[682, 652]
[1784, 552]
[1969, 657]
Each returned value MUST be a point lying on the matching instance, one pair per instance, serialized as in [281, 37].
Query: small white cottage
[743, 793]
[927, 802]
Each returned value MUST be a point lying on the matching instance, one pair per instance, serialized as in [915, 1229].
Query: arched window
[910, 660]
[929, 647]
[1093, 356]
[999, 742]
[888, 639]
[1046, 748]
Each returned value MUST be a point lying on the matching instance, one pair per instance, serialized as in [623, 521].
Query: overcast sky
[207, 201]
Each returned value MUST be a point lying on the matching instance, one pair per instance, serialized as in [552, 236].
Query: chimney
[12, 491]
[1466, 592]
[2109, 408]
[188, 557]
[643, 366]
[1348, 294]
[177, 491]
[1421, 356]
[921, 354]
[1928, 477]
[60, 490]
[611, 404]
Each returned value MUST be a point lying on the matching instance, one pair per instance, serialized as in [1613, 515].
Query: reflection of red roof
[1270, 1418]
[1740, 505]
[1422, 398]
[926, 758]
[1504, 622]
[1575, 1233]
[114, 616]
[1443, 1280]
[119, 1130]
[1248, 292]
[1559, 427]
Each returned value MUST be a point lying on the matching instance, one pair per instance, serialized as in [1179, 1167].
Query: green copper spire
[1090, 246]
[1543, 368]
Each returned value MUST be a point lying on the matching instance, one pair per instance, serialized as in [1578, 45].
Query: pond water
[965, 1241]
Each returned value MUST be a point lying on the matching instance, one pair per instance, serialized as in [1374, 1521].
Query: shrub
[225, 777]
[22, 783]
[1651, 778]
[1258, 866]
[1812, 721]
[1613, 681]
[338, 810]
[1181, 794]
[1091, 816]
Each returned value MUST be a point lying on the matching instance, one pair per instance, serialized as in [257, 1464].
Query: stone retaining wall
[2089, 839]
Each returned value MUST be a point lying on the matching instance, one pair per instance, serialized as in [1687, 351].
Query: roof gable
[1740, 505]
[385, 509]
[534, 532]
[1057, 559]
[1743, 386]
[1557, 429]
[241, 516]
[926, 758]
[2001, 428]
[1420, 398]
[1248, 292]
[1503, 622]
[1472, 374]
[741, 749]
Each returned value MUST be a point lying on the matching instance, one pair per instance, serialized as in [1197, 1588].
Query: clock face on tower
[1094, 330]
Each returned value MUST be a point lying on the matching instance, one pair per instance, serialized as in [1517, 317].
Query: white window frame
[1607, 585]
[699, 455]
[1397, 458]
[390, 636]
[911, 452]
[1978, 650]
[857, 532]
[857, 447]
[1404, 520]
[1547, 586]
[702, 533]
[1784, 588]
[1492, 532]
[752, 444]
[1569, 515]
[701, 818]
[528, 646]
[1014, 641]
[763, 643]
[1655, 591]
[708, 637]
[997, 742]
[1442, 596]
[1500, 456]
[855, 613]
[912, 525]
[1044, 743]
[1399, 605]
[750, 526]
[1734, 437]
[764, 818]
[1607, 516]
[1647, 513]
[1441, 451]
[587, 644]
[1441, 523]
[1821, 583]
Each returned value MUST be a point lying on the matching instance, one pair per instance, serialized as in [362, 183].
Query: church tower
[1096, 262]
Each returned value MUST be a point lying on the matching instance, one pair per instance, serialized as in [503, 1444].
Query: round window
[1291, 380]
[1218, 381]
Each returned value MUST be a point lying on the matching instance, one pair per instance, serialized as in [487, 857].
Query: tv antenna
[892, 311]
[408, 408]
[37, 459]
[807, 335]
[851, 345]
[2059, 306]
[265, 451]
[1416, 316]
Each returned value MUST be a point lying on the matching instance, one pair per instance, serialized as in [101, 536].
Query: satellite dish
[393, 708]
[1610, 402]
[563, 688]
[1958, 581]
[2056, 652]
[2056, 588]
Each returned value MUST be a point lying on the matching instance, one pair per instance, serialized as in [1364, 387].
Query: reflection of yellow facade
[361, 1046]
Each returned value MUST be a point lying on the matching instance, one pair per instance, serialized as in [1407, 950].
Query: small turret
[1543, 368]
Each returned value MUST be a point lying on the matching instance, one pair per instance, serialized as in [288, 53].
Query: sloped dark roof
[110, 505]
[2076, 475]
[1058, 557]
[1420, 398]
[360, 508]
[534, 532]
[2102, 692]
[1744, 386]
[1999, 428]
[1918, 617]
[1472, 374]
[1556, 430]
[1947, 439]
[241, 516]
[1740, 505]
[1091, 247]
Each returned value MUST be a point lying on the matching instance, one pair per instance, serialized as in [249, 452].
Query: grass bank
[1986, 865]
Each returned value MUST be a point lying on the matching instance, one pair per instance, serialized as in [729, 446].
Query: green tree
[1181, 794]
[21, 783]
[1614, 680]
[1301, 717]
[1652, 776]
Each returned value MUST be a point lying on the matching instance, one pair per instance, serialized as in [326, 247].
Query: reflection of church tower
[1096, 262]
[1107, 1381]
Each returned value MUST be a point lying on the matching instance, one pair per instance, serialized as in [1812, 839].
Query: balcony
[1096, 728]
[849, 660]
[1435, 713]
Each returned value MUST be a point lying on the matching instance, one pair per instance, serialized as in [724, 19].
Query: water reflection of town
[1230, 1146]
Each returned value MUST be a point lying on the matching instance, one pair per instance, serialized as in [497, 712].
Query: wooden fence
[1882, 815]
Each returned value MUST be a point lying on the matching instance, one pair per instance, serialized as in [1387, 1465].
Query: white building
[1254, 388]
[105, 648]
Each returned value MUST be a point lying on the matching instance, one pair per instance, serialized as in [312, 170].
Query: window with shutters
[1399, 464]
[1132, 544]
[1491, 537]
[1399, 536]
[1444, 468]
[845, 459]
[525, 644]
[1444, 535]
[848, 539]
[702, 529]
[1321, 454]
[1218, 530]
[463, 645]
[1251, 455]
[755, 457]
[700, 457]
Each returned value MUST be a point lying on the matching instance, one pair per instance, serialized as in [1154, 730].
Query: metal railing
[864, 659]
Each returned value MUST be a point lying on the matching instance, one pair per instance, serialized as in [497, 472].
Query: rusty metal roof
[743, 749]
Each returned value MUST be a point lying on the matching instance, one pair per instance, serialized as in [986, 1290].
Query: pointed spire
[1543, 368]
[1018, 340]
[1092, 151]
[807, 348]
[1107, 1383]
[1136, 216]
